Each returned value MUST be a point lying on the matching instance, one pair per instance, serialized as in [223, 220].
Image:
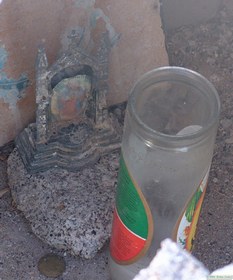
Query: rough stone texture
[70, 211]
[137, 45]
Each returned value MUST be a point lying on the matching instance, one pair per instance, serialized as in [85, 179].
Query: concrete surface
[177, 13]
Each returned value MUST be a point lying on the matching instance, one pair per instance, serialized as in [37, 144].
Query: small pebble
[215, 180]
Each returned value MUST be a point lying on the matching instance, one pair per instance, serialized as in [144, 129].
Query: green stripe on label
[129, 204]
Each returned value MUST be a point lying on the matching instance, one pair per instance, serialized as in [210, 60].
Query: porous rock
[70, 211]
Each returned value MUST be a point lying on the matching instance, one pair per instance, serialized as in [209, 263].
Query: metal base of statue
[73, 127]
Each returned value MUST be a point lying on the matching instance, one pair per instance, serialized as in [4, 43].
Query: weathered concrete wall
[134, 28]
[24, 25]
[177, 13]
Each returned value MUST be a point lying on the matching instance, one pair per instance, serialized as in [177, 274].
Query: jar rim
[163, 74]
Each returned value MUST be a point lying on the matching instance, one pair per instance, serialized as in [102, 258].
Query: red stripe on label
[124, 244]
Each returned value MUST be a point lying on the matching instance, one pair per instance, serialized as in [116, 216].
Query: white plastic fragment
[226, 271]
[173, 263]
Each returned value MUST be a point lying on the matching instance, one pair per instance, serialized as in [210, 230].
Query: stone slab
[69, 211]
[137, 45]
[140, 47]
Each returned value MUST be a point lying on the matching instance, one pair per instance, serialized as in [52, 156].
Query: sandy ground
[208, 49]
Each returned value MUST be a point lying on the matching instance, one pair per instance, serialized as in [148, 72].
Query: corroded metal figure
[73, 127]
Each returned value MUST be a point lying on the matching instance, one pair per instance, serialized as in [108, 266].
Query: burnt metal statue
[73, 127]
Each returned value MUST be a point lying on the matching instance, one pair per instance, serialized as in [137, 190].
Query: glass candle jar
[167, 148]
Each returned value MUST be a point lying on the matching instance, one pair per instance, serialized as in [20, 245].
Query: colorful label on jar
[132, 228]
[186, 226]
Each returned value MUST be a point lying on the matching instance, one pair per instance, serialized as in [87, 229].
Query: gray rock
[70, 211]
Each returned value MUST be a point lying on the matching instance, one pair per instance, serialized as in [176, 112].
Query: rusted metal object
[51, 265]
[73, 127]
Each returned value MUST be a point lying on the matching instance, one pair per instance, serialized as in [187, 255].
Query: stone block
[137, 45]
[67, 210]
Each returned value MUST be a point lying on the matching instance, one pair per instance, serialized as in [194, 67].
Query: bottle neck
[177, 142]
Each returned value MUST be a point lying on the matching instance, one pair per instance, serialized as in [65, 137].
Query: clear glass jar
[167, 147]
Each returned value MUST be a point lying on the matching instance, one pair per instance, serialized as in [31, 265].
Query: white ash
[70, 211]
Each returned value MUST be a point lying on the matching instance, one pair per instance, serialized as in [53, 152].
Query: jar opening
[168, 100]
